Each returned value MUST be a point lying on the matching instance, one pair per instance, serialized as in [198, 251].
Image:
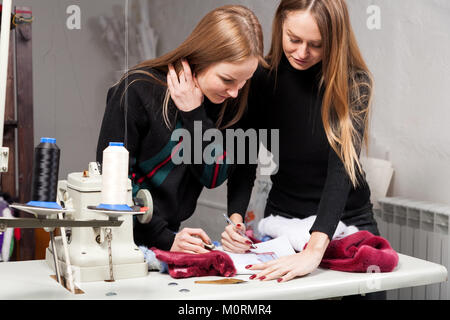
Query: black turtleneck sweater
[311, 178]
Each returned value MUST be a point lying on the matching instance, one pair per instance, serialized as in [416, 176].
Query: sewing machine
[98, 253]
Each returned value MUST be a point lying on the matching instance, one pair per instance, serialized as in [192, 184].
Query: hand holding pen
[234, 238]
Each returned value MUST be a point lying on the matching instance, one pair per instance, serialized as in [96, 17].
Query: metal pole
[55, 257]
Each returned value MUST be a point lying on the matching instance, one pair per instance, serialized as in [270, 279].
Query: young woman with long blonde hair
[205, 79]
[317, 92]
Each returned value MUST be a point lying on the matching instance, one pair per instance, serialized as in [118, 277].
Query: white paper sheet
[265, 251]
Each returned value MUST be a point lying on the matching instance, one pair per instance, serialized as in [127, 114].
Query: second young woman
[317, 93]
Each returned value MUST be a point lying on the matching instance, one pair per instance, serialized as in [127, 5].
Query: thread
[115, 177]
[45, 174]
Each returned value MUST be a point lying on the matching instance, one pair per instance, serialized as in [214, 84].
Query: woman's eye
[227, 80]
[316, 46]
[295, 41]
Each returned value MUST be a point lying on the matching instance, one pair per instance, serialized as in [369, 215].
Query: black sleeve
[154, 234]
[239, 189]
[242, 178]
[338, 184]
[334, 197]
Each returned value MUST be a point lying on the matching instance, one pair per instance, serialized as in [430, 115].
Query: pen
[239, 230]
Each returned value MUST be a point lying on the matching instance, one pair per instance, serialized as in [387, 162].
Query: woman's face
[302, 41]
[223, 80]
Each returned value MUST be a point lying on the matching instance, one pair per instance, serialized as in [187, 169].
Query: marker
[238, 230]
[207, 246]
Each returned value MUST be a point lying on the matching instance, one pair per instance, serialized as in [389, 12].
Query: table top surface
[31, 280]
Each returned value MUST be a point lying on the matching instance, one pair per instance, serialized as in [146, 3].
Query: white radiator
[421, 230]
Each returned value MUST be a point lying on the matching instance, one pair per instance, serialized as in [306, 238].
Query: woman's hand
[184, 88]
[190, 241]
[296, 265]
[232, 240]
[288, 267]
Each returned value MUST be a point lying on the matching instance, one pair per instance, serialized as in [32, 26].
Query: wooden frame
[19, 122]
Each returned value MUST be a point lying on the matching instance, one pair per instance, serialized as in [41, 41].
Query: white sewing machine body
[88, 247]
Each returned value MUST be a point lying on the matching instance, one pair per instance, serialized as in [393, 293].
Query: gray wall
[409, 59]
[71, 74]
[175, 19]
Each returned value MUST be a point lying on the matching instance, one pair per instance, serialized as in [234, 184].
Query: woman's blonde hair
[346, 81]
[230, 34]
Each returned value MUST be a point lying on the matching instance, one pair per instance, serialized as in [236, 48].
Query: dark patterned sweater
[174, 188]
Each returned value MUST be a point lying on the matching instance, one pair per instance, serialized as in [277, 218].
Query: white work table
[31, 280]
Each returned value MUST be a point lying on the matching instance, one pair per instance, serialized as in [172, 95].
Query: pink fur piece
[360, 252]
[250, 234]
[186, 265]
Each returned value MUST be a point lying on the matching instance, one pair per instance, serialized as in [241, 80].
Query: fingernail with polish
[262, 278]
[252, 277]
[280, 279]
[238, 225]
[249, 266]
[248, 242]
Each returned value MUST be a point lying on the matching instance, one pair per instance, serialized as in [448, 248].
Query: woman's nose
[303, 51]
[233, 92]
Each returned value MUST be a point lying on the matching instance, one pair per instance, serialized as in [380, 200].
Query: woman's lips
[300, 61]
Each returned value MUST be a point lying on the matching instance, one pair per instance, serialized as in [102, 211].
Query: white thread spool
[115, 175]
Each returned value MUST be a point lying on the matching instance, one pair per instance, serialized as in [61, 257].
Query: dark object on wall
[20, 124]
